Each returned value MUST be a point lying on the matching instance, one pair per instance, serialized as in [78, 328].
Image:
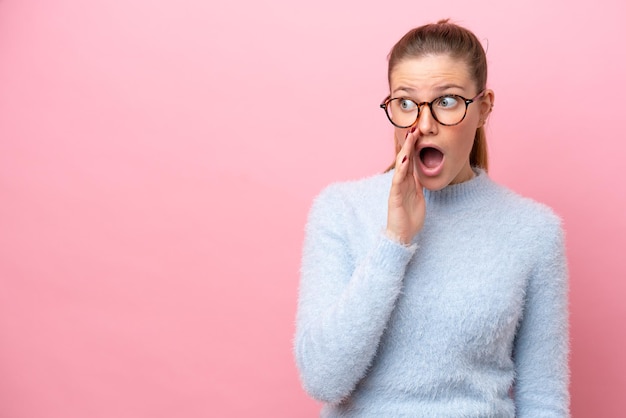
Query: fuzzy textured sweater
[471, 320]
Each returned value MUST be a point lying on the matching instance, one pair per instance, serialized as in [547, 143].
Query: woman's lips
[430, 160]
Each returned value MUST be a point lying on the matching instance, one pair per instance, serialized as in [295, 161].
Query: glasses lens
[449, 110]
[402, 112]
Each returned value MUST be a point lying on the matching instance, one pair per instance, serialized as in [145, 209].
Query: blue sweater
[470, 320]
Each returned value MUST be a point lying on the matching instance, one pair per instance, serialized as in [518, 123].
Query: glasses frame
[385, 105]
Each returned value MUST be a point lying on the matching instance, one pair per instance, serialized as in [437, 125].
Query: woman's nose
[426, 123]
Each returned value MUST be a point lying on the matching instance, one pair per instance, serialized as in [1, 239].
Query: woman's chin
[433, 183]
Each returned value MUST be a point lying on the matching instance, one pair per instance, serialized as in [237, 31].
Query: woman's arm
[343, 306]
[542, 341]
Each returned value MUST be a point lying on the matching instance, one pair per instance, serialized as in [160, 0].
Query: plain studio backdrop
[158, 160]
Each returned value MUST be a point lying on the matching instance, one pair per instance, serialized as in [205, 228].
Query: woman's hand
[407, 209]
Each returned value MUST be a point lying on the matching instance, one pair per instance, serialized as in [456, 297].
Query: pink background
[158, 159]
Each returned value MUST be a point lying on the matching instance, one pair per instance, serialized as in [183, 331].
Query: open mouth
[431, 157]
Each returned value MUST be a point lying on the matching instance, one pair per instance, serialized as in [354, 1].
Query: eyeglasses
[448, 110]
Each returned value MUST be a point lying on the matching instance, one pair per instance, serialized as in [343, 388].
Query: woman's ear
[486, 106]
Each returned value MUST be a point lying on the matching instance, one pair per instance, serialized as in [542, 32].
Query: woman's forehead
[431, 72]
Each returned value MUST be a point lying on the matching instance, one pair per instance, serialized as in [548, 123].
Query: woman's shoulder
[352, 203]
[525, 210]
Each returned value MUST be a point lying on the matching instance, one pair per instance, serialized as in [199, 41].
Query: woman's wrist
[397, 238]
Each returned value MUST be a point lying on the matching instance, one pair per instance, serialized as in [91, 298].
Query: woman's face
[441, 154]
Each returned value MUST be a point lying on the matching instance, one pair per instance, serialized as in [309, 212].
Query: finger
[404, 157]
[402, 164]
[419, 190]
[411, 163]
[409, 143]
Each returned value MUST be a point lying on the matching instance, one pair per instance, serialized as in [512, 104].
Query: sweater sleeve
[542, 342]
[343, 305]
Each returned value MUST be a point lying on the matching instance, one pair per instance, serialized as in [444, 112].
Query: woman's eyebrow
[449, 86]
[440, 88]
[409, 89]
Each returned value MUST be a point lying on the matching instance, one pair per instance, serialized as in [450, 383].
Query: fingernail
[404, 159]
[413, 129]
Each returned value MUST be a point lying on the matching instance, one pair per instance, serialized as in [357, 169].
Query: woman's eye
[406, 104]
[447, 102]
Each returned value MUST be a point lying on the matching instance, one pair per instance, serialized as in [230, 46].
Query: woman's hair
[447, 38]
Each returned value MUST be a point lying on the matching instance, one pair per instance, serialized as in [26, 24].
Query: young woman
[430, 290]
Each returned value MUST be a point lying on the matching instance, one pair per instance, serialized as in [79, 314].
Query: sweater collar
[467, 191]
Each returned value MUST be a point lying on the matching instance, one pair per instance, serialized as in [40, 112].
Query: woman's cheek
[400, 136]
